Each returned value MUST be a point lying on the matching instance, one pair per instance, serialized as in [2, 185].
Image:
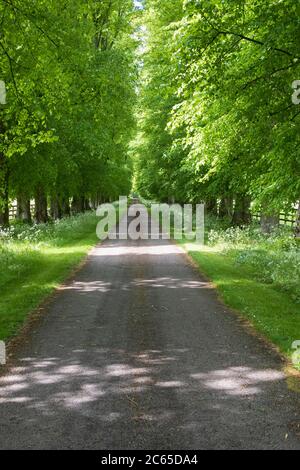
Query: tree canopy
[216, 119]
[70, 74]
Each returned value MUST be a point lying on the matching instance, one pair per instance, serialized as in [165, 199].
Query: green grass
[34, 261]
[272, 311]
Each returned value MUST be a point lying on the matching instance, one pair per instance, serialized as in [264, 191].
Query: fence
[289, 219]
[13, 209]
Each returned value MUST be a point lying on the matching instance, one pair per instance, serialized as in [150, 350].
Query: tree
[221, 78]
[70, 74]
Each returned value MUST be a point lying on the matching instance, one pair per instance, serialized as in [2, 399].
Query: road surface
[136, 352]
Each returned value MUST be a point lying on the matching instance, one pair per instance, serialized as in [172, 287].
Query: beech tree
[218, 92]
[70, 74]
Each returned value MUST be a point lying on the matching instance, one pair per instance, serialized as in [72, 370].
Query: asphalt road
[136, 352]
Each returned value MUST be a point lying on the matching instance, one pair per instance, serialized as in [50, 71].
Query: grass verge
[273, 312]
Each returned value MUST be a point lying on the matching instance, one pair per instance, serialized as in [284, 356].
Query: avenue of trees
[70, 73]
[216, 119]
[193, 97]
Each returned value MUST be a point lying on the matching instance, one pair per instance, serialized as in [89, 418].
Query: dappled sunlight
[170, 384]
[238, 380]
[91, 286]
[153, 249]
[54, 384]
[196, 247]
[115, 392]
[173, 283]
[121, 370]
[79, 248]
[155, 282]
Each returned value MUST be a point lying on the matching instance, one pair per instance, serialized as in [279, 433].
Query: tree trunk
[41, 212]
[23, 209]
[269, 222]
[241, 215]
[226, 208]
[297, 226]
[211, 206]
[100, 199]
[4, 206]
[65, 207]
[94, 203]
[78, 204]
[87, 206]
[55, 208]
